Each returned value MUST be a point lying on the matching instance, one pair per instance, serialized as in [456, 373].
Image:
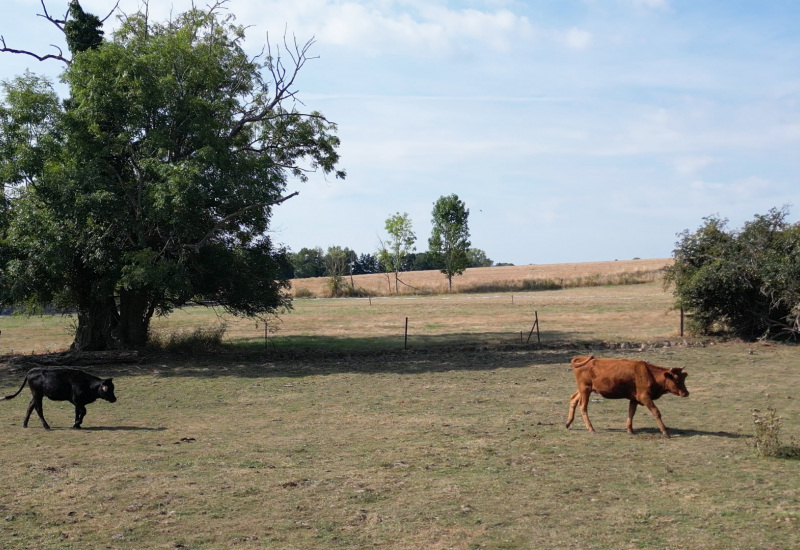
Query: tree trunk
[135, 312]
[97, 324]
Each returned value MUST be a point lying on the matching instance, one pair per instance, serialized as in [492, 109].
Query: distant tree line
[449, 250]
[316, 262]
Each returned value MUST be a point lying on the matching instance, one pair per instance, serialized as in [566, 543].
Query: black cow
[63, 384]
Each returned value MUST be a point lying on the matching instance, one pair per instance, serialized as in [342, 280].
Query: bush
[767, 438]
[746, 282]
[304, 293]
[196, 341]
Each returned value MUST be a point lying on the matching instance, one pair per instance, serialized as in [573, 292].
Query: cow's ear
[669, 375]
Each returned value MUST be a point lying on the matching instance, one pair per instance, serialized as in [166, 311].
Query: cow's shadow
[694, 433]
[116, 429]
[678, 432]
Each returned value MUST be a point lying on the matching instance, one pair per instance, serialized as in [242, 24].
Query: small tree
[337, 264]
[400, 242]
[449, 241]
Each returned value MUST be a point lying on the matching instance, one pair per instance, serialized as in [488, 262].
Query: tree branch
[111, 12]
[221, 223]
[283, 80]
[58, 23]
[59, 57]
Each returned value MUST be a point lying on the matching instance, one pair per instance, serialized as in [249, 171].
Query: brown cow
[639, 381]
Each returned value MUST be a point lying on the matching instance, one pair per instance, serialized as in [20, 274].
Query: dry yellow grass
[435, 282]
[641, 312]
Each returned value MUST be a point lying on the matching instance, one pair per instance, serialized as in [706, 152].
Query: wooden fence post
[405, 344]
[535, 327]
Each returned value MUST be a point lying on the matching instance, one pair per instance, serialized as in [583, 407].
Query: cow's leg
[584, 397]
[80, 412]
[31, 406]
[36, 403]
[631, 412]
[573, 404]
[657, 415]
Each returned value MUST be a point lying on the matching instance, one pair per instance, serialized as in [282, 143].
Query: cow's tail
[20, 388]
[581, 361]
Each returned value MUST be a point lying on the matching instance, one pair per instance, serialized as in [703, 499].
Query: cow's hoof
[76, 427]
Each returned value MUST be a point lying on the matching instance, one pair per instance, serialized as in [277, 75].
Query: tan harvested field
[435, 282]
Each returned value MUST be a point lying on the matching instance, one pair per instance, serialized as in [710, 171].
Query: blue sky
[574, 130]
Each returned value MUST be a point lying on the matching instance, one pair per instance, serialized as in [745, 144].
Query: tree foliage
[153, 184]
[478, 258]
[398, 245]
[744, 282]
[366, 264]
[449, 242]
[308, 262]
[83, 31]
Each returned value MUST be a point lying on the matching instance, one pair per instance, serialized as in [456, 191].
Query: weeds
[303, 292]
[767, 438]
[198, 340]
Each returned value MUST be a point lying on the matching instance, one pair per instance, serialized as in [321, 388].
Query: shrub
[743, 282]
[196, 341]
[304, 292]
[767, 437]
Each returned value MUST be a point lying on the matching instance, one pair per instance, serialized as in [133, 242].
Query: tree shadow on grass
[321, 355]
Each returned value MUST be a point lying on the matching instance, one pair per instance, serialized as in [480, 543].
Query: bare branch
[111, 12]
[58, 23]
[224, 221]
[283, 81]
[59, 57]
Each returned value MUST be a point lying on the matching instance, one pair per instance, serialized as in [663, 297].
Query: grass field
[457, 442]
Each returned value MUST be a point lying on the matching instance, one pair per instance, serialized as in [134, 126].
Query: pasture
[456, 442]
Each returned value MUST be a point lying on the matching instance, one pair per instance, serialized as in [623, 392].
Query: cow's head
[675, 381]
[107, 390]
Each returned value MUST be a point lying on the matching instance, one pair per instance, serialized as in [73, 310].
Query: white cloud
[734, 192]
[651, 4]
[391, 25]
[577, 39]
[690, 165]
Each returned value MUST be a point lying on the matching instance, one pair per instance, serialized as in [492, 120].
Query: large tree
[449, 242]
[152, 184]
